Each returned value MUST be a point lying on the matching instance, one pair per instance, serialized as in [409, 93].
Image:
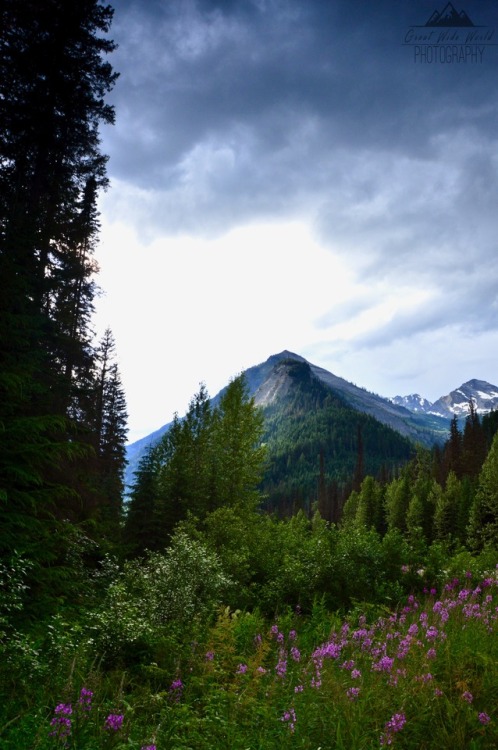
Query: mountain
[484, 396]
[286, 384]
[414, 402]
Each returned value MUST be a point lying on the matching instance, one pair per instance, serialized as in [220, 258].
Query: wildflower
[261, 670]
[274, 629]
[257, 640]
[353, 693]
[413, 629]
[292, 635]
[467, 697]
[281, 668]
[355, 674]
[63, 708]
[383, 665]
[175, 690]
[431, 633]
[438, 692]
[85, 699]
[241, 669]
[62, 727]
[290, 717]
[431, 653]
[405, 568]
[395, 724]
[114, 722]
[348, 664]
[299, 689]
[209, 656]
[295, 653]
[148, 747]
[484, 718]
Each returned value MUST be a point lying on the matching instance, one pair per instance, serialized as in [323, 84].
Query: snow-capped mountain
[413, 402]
[484, 396]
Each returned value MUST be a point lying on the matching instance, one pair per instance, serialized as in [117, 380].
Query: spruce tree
[53, 81]
[483, 522]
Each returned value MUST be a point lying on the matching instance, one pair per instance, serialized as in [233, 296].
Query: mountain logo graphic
[449, 17]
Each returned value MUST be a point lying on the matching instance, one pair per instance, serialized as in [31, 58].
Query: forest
[335, 587]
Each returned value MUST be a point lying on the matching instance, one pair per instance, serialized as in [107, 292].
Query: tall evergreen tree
[239, 454]
[483, 523]
[53, 80]
[141, 531]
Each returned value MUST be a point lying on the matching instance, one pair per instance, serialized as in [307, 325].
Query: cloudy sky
[292, 174]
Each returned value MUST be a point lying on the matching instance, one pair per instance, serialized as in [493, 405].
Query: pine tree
[53, 80]
[370, 512]
[141, 527]
[239, 455]
[483, 522]
[111, 449]
[446, 512]
[397, 502]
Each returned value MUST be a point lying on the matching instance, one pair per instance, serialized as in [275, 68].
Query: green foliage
[173, 589]
[211, 459]
[483, 523]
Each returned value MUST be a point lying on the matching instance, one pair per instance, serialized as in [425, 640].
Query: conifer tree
[447, 508]
[53, 81]
[239, 454]
[141, 531]
[397, 502]
[483, 522]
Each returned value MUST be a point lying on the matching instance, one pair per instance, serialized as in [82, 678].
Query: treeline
[445, 495]
[62, 406]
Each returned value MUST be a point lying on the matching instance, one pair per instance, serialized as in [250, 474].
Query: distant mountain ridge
[269, 383]
[484, 396]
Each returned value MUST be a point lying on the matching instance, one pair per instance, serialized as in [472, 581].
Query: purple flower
[63, 708]
[114, 722]
[383, 665]
[299, 689]
[355, 673]
[431, 633]
[484, 718]
[292, 635]
[241, 669]
[209, 655]
[395, 724]
[289, 717]
[85, 699]
[353, 693]
[467, 697]
[295, 653]
[281, 668]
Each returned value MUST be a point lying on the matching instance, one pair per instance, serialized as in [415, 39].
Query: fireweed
[405, 666]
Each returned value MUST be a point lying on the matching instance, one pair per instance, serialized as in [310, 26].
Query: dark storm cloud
[229, 112]
[269, 97]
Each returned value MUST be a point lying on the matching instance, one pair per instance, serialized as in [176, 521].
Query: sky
[312, 175]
